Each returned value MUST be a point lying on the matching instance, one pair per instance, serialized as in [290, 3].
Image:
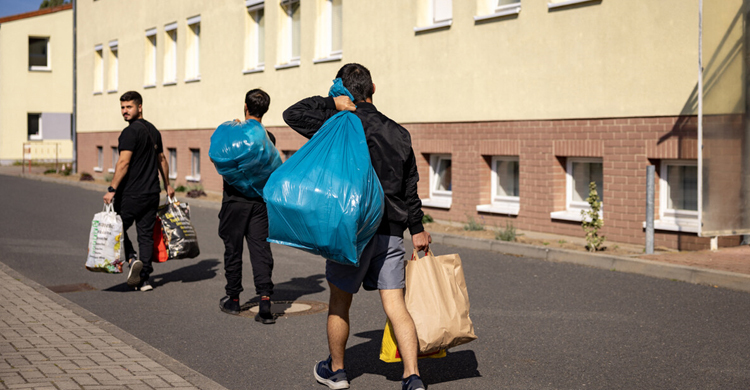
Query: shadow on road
[202, 270]
[365, 359]
[292, 290]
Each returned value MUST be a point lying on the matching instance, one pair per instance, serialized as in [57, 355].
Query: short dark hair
[132, 96]
[257, 102]
[357, 80]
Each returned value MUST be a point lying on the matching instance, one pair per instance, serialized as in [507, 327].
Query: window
[504, 193]
[112, 66]
[579, 173]
[170, 54]
[98, 69]
[489, 9]
[195, 165]
[149, 66]
[99, 159]
[39, 54]
[192, 57]
[439, 15]
[290, 47]
[34, 127]
[115, 157]
[441, 188]
[172, 163]
[255, 35]
[329, 31]
[678, 196]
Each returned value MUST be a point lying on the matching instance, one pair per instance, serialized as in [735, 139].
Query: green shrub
[108, 177]
[49, 171]
[509, 234]
[472, 225]
[427, 219]
[592, 222]
[86, 177]
[195, 190]
[180, 188]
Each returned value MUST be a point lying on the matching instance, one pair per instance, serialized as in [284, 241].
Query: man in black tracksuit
[244, 218]
[135, 186]
[382, 262]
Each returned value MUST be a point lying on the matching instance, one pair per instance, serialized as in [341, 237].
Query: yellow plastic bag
[389, 350]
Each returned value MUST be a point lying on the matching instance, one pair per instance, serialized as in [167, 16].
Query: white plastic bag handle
[109, 207]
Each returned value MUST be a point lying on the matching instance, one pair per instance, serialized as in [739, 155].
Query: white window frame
[195, 166]
[674, 219]
[288, 60]
[98, 69]
[99, 159]
[149, 80]
[434, 20]
[48, 67]
[573, 209]
[438, 198]
[326, 31]
[501, 204]
[193, 50]
[172, 163]
[565, 3]
[255, 44]
[498, 10]
[113, 63]
[115, 158]
[170, 54]
[38, 136]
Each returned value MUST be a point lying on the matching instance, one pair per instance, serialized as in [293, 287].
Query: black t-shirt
[141, 138]
[232, 194]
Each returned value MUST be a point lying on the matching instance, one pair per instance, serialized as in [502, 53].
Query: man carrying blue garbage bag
[381, 265]
[243, 153]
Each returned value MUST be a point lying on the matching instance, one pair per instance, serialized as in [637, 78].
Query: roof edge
[32, 14]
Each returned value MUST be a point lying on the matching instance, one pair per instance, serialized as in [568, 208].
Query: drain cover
[285, 308]
[67, 288]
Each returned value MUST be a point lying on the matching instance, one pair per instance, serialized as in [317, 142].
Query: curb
[656, 269]
[194, 377]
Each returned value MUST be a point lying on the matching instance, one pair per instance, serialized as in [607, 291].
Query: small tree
[51, 3]
[592, 222]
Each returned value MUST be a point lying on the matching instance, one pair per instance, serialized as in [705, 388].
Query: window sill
[498, 209]
[437, 203]
[567, 3]
[97, 93]
[254, 70]
[676, 225]
[173, 176]
[193, 179]
[168, 83]
[332, 58]
[292, 64]
[149, 86]
[193, 80]
[111, 170]
[570, 215]
[112, 91]
[98, 169]
[40, 69]
[435, 26]
[507, 10]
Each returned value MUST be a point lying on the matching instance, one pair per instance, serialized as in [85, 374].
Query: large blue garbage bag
[244, 155]
[326, 199]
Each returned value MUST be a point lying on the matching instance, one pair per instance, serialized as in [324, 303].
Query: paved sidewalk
[48, 342]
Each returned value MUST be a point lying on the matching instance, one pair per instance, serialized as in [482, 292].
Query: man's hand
[343, 103]
[108, 197]
[170, 191]
[422, 241]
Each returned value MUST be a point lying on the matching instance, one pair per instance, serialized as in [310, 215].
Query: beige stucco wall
[23, 91]
[608, 58]
[723, 53]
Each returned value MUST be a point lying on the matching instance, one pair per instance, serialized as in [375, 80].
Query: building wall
[25, 91]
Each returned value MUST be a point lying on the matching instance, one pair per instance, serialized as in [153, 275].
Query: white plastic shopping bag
[105, 240]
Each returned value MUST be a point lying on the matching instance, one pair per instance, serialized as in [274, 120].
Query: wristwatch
[111, 189]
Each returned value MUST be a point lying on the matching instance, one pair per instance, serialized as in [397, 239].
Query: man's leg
[261, 257]
[232, 225]
[403, 328]
[126, 212]
[145, 221]
[338, 325]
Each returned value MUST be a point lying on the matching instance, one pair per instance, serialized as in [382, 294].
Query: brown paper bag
[437, 300]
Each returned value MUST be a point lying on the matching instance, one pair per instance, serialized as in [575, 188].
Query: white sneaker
[134, 275]
[146, 286]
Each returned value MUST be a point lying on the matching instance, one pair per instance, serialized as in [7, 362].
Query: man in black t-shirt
[135, 186]
[246, 218]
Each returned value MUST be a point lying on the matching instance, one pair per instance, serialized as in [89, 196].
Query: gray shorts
[380, 268]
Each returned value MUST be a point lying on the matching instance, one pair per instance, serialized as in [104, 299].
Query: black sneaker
[264, 315]
[145, 286]
[413, 382]
[334, 380]
[134, 275]
[230, 305]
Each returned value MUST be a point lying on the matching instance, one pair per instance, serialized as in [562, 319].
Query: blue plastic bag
[244, 155]
[326, 199]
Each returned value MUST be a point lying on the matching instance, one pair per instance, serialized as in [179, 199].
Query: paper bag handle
[415, 254]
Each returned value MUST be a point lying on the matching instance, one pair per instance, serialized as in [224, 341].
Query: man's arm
[121, 168]
[164, 170]
[420, 238]
[308, 115]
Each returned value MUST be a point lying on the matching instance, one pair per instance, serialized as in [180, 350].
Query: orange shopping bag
[160, 248]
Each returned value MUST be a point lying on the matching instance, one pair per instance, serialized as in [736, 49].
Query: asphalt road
[541, 325]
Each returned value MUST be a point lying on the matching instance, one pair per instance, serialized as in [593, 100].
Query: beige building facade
[514, 106]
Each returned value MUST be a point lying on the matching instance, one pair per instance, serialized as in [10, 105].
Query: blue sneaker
[334, 380]
[413, 382]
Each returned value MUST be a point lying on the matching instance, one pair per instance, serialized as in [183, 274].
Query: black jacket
[390, 152]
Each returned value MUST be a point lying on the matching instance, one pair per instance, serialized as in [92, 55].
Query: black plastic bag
[178, 232]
